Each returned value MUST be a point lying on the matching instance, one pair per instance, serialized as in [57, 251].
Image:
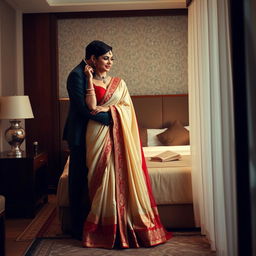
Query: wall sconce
[14, 108]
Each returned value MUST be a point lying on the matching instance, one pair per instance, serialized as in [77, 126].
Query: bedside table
[23, 182]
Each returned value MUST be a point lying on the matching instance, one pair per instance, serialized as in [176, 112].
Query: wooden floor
[14, 227]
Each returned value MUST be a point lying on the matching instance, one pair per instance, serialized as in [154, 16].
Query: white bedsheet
[151, 151]
[171, 181]
[170, 184]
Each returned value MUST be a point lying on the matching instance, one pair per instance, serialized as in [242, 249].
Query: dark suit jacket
[79, 114]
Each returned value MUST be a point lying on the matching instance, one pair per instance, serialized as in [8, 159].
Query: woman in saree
[123, 210]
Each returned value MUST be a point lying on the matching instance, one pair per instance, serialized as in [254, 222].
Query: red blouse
[100, 92]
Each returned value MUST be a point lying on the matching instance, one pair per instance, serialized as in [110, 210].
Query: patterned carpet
[179, 245]
[49, 241]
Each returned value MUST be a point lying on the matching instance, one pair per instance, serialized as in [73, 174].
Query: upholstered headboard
[161, 111]
[158, 111]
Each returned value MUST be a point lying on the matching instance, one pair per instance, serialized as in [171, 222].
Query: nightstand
[23, 182]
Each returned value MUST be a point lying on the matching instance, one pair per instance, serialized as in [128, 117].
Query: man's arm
[76, 95]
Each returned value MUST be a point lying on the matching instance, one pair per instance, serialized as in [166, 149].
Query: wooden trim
[112, 14]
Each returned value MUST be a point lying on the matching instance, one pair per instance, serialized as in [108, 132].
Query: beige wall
[150, 52]
[8, 59]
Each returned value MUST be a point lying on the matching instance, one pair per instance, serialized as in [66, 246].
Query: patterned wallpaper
[150, 52]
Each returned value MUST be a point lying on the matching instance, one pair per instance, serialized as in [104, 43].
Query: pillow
[152, 137]
[175, 135]
[143, 136]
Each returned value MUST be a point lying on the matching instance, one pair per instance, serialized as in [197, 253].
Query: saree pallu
[123, 210]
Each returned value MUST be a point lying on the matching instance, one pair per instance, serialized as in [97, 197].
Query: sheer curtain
[212, 124]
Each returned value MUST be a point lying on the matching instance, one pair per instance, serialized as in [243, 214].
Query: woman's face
[104, 62]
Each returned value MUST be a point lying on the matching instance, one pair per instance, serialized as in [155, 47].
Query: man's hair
[96, 48]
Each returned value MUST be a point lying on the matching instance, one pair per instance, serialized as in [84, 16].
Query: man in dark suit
[74, 133]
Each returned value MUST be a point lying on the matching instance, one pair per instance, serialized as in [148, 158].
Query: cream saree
[123, 210]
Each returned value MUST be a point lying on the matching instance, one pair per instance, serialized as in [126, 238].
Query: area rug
[40, 223]
[45, 230]
[177, 246]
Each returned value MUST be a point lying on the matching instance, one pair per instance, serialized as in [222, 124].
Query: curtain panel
[212, 123]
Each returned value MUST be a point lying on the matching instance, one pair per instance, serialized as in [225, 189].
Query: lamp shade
[15, 107]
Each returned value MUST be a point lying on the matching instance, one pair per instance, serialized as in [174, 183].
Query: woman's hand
[100, 109]
[88, 70]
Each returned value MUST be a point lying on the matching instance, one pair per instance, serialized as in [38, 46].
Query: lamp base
[15, 135]
[15, 152]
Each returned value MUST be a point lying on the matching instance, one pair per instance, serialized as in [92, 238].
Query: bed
[163, 124]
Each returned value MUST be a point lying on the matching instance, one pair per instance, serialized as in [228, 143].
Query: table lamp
[14, 108]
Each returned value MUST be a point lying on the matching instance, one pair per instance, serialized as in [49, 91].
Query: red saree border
[110, 89]
[146, 236]
[121, 175]
[105, 236]
[99, 235]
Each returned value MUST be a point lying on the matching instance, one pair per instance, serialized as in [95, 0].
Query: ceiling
[38, 6]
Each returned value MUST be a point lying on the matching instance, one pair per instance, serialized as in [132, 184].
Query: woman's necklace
[100, 78]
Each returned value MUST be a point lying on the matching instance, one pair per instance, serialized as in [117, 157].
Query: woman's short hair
[96, 48]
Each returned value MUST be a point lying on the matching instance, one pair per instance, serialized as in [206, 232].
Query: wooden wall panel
[41, 83]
